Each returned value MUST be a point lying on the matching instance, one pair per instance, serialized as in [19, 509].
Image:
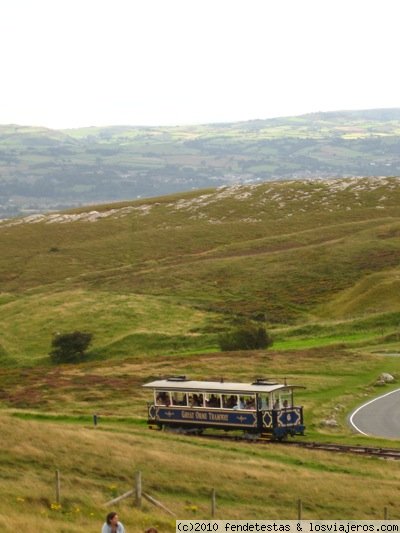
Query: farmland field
[45, 170]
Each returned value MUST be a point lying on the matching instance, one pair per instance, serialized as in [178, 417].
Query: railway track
[371, 451]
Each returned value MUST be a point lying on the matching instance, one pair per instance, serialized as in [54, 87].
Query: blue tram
[261, 408]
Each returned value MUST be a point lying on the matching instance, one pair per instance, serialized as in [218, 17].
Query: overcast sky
[73, 63]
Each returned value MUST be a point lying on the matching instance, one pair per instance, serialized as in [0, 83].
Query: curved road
[379, 417]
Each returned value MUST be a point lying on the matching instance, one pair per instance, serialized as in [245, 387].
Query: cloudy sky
[73, 63]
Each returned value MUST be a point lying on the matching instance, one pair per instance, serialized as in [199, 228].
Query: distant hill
[42, 169]
[165, 275]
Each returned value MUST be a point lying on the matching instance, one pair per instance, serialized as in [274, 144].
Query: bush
[245, 337]
[70, 347]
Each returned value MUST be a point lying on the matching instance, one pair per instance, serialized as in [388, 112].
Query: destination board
[193, 416]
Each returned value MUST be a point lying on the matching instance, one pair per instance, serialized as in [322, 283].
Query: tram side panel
[202, 418]
[278, 422]
[283, 422]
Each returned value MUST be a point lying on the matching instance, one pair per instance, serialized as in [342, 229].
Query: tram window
[213, 400]
[277, 404]
[286, 400]
[240, 404]
[162, 398]
[179, 398]
[229, 401]
[283, 401]
[196, 400]
[264, 401]
[249, 402]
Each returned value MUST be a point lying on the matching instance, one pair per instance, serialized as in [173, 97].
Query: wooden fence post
[385, 513]
[58, 487]
[119, 498]
[299, 509]
[138, 489]
[157, 503]
[213, 503]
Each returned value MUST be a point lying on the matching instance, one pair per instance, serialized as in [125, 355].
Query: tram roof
[216, 386]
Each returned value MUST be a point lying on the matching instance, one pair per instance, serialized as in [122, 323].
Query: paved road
[379, 417]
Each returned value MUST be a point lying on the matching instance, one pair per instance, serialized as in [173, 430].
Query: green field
[155, 282]
[173, 272]
[47, 418]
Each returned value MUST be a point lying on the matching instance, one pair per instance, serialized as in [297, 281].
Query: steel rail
[356, 449]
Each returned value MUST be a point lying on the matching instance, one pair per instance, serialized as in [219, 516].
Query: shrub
[245, 337]
[70, 347]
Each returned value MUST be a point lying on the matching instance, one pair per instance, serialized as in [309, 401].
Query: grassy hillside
[96, 465]
[42, 169]
[155, 281]
[167, 274]
[46, 424]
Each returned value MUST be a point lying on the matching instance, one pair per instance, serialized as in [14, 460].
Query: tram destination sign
[196, 416]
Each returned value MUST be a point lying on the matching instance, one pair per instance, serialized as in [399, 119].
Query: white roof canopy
[224, 387]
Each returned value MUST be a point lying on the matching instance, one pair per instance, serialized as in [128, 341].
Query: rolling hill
[155, 280]
[43, 170]
[166, 275]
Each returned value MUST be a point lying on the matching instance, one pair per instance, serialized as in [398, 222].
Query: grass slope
[175, 270]
[46, 424]
[155, 281]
